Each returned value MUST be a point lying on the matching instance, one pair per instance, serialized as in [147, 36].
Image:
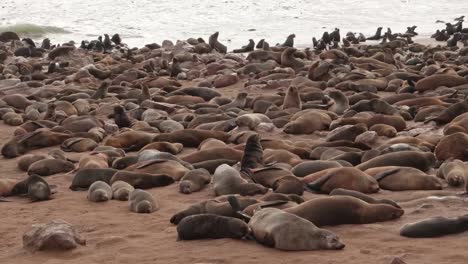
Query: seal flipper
[272, 203]
[380, 176]
[316, 186]
[237, 208]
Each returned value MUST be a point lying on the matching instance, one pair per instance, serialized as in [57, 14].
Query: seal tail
[237, 208]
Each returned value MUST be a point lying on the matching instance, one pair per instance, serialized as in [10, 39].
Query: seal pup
[26, 160]
[101, 92]
[253, 153]
[435, 227]
[455, 172]
[142, 202]
[278, 229]
[121, 118]
[211, 226]
[194, 181]
[99, 191]
[121, 190]
[38, 189]
[292, 98]
[227, 180]
[142, 180]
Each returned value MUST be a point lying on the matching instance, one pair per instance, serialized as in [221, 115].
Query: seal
[302, 152]
[142, 202]
[281, 155]
[36, 188]
[121, 118]
[364, 197]
[212, 154]
[455, 172]
[173, 148]
[278, 229]
[6, 186]
[415, 159]
[307, 122]
[121, 190]
[99, 191]
[218, 206]
[170, 168]
[349, 132]
[124, 162]
[312, 166]
[339, 210]
[141, 180]
[191, 137]
[349, 178]
[289, 60]
[84, 178]
[452, 147]
[292, 98]
[93, 160]
[279, 179]
[384, 130]
[194, 181]
[435, 227]
[204, 226]
[78, 144]
[46, 167]
[252, 120]
[253, 153]
[394, 178]
[130, 140]
[227, 180]
[211, 143]
[26, 160]
[211, 165]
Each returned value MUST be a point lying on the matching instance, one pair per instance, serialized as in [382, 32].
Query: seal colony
[285, 140]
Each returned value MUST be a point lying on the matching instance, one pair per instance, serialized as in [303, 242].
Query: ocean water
[145, 21]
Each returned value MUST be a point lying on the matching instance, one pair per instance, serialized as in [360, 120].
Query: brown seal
[6, 186]
[278, 229]
[434, 81]
[279, 179]
[26, 160]
[93, 160]
[415, 159]
[348, 178]
[124, 162]
[36, 188]
[46, 167]
[194, 181]
[289, 60]
[213, 153]
[395, 178]
[307, 122]
[218, 206]
[384, 130]
[349, 132]
[191, 137]
[121, 190]
[364, 197]
[227, 180]
[211, 226]
[40, 138]
[312, 166]
[168, 167]
[455, 172]
[99, 191]
[292, 98]
[339, 210]
[142, 202]
[130, 140]
[253, 153]
[211, 143]
[84, 178]
[141, 180]
[286, 145]
[173, 148]
[252, 120]
[452, 146]
[78, 144]
[211, 165]
[281, 155]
